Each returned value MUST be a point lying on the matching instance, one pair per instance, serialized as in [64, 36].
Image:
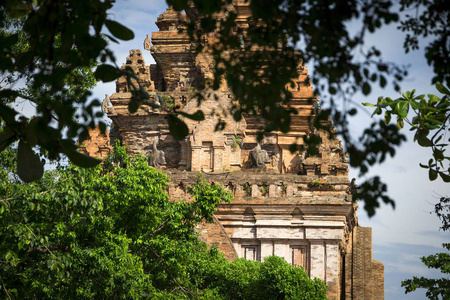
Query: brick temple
[286, 204]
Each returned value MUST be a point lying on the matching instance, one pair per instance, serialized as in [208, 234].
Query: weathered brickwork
[366, 279]
[97, 144]
[287, 204]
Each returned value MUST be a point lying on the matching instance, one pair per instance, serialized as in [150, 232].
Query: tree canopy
[112, 232]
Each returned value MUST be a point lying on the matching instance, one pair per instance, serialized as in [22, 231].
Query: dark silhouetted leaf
[432, 174]
[133, 106]
[424, 141]
[119, 31]
[445, 177]
[82, 160]
[177, 128]
[197, 116]
[366, 88]
[107, 73]
[6, 139]
[29, 165]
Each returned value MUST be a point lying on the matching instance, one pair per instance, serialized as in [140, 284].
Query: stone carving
[352, 188]
[158, 100]
[260, 157]
[105, 104]
[317, 108]
[157, 156]
[184, 83]
[147, 43]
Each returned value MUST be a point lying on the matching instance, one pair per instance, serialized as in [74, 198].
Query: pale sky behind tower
[400, 236]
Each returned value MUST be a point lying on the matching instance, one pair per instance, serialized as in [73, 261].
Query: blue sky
[400, 236]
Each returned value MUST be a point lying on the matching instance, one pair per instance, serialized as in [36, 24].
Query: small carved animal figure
[260, 157]
[157, 158]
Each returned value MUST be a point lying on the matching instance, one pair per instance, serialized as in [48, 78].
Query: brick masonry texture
[294, 206]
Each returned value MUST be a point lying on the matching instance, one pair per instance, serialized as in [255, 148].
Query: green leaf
[119, 31]
[400, 123]
[368, 104]
[82, 160]
[444, 177]
[438, 155]
[387, 117]
[29, 165]
[177, 128]
[377, 111]
[442, 89]
[402, 108]
[107, 73]
[424, 141]
[416, 105]
[197, 116]
[432, 174]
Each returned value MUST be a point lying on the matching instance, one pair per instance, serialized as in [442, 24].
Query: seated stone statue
[157, 157]
[260, 157]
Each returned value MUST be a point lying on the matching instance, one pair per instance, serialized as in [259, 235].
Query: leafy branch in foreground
[53, 46]
[436, 288]
[430, 122]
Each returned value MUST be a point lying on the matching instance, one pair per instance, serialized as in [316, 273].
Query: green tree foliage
[111, 232]
[273, 279]
[436, 288]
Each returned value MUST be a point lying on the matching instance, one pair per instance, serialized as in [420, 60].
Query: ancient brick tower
[285, 204]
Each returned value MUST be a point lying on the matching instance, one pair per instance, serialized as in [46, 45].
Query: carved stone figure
[158, 101]
[260, 157]
[157, 158]
[105, 104]
[183, 81]
[147, 43]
